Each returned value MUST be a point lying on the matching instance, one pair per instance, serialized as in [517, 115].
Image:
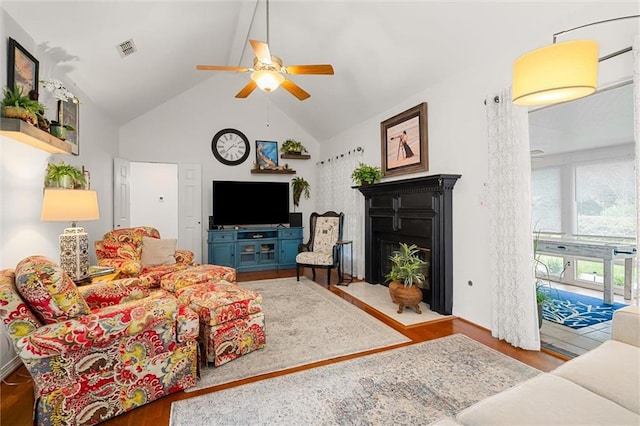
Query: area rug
[576, 310]
[304, 323]
[377, 296]
[414, 384]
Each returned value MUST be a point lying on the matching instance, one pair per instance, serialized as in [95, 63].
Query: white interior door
[121, 193]
[190, 209]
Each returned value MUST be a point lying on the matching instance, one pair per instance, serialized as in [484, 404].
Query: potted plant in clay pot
[292, 146]
[365, 174]
[63, 176]
[406, 277]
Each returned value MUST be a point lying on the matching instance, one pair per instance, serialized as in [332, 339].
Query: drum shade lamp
[71, 205]
[559, 72]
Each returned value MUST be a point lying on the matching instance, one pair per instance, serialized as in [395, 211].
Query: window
[545, 199]
[605, 199]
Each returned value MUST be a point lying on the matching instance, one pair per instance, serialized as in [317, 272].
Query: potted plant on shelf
[406, 277]
[16, 104]
[63, 176]
[365, 174]
[60, 130]
[292, 146]
[300, 187]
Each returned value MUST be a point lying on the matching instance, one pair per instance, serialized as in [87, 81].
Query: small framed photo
[22, 68]
[68, 116]
[267, 154]
[404, 142]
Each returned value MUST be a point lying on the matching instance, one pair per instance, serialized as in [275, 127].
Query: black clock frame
[220, 158]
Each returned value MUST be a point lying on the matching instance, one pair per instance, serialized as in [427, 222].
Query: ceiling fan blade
[246, 90]
[309, 69]
[261, 49]
[295, 90]
[221, 68]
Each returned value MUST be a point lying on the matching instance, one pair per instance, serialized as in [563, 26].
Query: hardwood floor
[16, 399]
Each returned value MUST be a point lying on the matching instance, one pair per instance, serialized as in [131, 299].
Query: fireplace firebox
[413, 211]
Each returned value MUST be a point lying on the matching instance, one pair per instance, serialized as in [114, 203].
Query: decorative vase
[405, 297]
[64, 181]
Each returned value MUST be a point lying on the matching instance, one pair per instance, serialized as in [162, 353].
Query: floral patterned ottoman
[174, 281]
[231, 319]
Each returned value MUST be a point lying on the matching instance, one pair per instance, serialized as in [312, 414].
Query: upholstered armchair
[322, 250]
[97, 351]
[126, 249]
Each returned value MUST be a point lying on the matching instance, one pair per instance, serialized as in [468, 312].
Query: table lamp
[71, 205]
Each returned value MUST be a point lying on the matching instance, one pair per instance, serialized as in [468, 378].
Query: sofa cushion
[49, 292]
[608, 371]
[547, 399]
[156, 251]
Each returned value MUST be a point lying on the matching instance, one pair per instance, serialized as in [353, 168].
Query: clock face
[230, 147]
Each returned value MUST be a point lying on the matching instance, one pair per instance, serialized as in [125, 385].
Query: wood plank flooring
[16, 395]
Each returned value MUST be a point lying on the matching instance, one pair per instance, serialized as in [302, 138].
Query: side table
[342, 244]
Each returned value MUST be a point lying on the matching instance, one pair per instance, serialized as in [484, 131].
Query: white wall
[23, 168]
[154, 197]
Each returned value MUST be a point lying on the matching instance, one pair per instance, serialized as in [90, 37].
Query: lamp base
[74, 253]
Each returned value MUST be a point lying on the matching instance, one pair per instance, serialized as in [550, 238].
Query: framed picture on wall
[404, 142]
[68, 116]
[22, 68]
[267, 154]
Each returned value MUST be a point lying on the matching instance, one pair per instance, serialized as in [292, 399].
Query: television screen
[250, 203]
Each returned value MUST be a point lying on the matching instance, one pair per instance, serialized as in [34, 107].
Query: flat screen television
[250, 203]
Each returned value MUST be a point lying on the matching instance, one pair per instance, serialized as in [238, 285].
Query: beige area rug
[304, 323]
[377, 296]
[411, 385]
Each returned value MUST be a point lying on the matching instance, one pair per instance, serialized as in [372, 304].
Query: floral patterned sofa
[99, 350]
[122, 249]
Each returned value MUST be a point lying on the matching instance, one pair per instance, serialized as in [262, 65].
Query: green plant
[57, 171]
[17, 99]
[300, 187]
[407, 266]
[292, 145]
[365, 174]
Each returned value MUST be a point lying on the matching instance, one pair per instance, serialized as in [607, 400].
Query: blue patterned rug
[575, 310]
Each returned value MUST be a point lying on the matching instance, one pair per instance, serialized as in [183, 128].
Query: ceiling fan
[268, 72]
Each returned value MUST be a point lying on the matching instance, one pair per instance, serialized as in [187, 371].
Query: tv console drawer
[221, 236]
[290, 233]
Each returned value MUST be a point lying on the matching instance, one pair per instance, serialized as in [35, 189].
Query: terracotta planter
[405, 297]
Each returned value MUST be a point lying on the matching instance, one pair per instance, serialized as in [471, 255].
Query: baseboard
[9, 367]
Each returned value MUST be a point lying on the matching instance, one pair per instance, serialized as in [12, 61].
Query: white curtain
[335, 193]
[514, 309]
[636, 110]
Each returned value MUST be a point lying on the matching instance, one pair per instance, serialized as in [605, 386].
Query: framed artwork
[22, 68]
[68, 116]
[404, 142]
[267, 154]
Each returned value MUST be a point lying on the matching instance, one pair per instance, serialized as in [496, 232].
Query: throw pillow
[50, 293]
[156, 251]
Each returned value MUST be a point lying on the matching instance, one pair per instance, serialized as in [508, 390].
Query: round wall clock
[230, 147]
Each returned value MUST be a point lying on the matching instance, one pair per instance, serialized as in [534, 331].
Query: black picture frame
[22, 68]
[404, 144]
[68, 115]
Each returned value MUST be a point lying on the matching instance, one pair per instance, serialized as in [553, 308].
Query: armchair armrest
[102, 327]
[625, 326]
[108, 293]
[184, 256]
[127, 267]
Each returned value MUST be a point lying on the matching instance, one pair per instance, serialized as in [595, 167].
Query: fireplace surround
[413, 211]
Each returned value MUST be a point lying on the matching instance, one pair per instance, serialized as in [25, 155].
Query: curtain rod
[357, 149]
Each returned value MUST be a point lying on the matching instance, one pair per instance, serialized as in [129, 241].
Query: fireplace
[413, 211]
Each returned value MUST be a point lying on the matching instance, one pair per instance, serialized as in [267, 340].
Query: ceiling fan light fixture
[556, 73]
[267, 80]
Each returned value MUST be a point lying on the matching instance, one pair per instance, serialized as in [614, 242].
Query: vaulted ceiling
[382, 51]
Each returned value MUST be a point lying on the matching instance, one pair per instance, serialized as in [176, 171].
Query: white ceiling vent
[126, 48]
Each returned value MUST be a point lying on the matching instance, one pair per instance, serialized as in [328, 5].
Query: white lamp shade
[267, 80]
[557, 73]
[69, 205]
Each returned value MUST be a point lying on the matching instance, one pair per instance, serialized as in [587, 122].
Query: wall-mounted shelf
[24, 132]
[274, 171]
[296, 156]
